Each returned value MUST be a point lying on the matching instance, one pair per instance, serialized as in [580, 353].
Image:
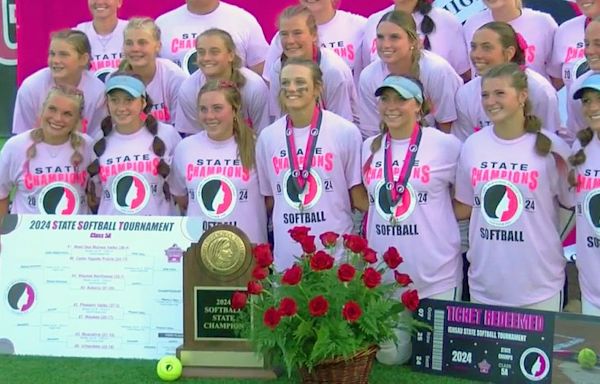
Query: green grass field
[54, 370]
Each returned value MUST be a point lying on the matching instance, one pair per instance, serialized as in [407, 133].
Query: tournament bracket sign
[483, 342]
[8, 64]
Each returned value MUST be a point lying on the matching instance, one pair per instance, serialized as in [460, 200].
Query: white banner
[93, 286]
[463, 9]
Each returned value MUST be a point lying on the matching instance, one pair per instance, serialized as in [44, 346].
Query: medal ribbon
[396, 188]
[301, 175]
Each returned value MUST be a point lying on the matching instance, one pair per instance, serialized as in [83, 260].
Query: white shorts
[587, 308]
[553, 304]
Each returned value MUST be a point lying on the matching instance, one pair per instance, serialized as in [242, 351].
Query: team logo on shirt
[21, 297]
[216, 196]
[502, 203]
[58, 199]
[103, 73]
[308, 197]
[401, 210]
[130, 192]
[534, 364]
[591, 208]
[189, 63]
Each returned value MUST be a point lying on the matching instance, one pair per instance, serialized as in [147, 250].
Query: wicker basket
[353, 370]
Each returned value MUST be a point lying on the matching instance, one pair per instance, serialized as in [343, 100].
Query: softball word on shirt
[219, 189]
[424, 213]
[588, 221]
[48, 183]
[323, 202]
[513, 229]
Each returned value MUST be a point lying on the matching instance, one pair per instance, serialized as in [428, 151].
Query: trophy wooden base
[223, 364]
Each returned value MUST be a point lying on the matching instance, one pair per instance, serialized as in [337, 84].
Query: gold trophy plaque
[215, 267]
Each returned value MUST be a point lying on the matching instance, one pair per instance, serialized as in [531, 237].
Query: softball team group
[429, 128]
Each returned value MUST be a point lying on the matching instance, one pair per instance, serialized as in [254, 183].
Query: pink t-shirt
[34, 89]
[343, 34]
[49, 183]
[254, 106]
[130, 183]
[568, 49]
[180, 28]
[446, 26]
[575, 120]
[219, 189]
[588, 221]
[325, 200]
[424, 215]
[515, 250]
[339, 93]
[164, 89]
[537, 28]
[472, 116]
[440, 83]
[107, 50]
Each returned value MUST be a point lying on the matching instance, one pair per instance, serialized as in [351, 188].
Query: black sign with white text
[484, 342]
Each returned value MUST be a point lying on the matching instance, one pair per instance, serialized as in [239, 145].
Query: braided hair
[75, 138]
[427, 24]
[585, 137]
[158, 146]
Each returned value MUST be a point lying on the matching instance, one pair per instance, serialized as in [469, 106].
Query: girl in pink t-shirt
[162, 77]
[399, 49]
[68, 63]
[105, 33]
[410, 200]
[217, 60]
[493, 44]
[511, 178]
[219, 183]
[537, 29]
[308, 163]
[568, 46]
[586, 179]
[338, 30]
[129, 174]
[46, 166]
[299, 39]
[435, 27]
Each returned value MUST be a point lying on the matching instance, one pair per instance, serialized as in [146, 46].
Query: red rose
[292, 275]
[370, 256]
[263, 256]
[254, 288]
[402, 278]
[392, 258]
[318, 306]
[288, 307]
[308, 244]
[321, 261]
[410, 299]
[355, 243]
[351, 311]
[259, 273]
[298, 233]
[346, 272]
[272, 317]
[238, 300]
[371, 277]
[328, 239]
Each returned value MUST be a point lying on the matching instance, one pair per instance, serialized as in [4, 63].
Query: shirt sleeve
[554, 66]
[352, 165]
[273, 53]
[258, 109]
[367, 106]
[26, 112]
[339, 92]
[463, 190]
[443, 84]
[185, 117]
[274, 87]
[177, 174]
[262, 165]
[6, 177]
[550, 31]
[175, 80]
[257, 46]
[463, 126]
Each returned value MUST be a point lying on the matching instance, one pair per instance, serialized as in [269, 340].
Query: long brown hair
[242, 133]
[407, 23]
[158, 145]
[236, 76]
[76, 39]
[508, 38]
[518, 80]
[585, 137]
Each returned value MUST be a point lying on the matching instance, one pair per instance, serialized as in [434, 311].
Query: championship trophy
[215, 267]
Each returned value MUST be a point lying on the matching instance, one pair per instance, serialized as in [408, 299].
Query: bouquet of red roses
[316, 309]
